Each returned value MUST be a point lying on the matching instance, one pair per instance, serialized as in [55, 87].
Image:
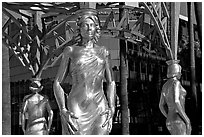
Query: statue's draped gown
[87, 99]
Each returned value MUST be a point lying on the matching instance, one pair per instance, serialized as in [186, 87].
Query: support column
[194, 120]
[198, 15]
[175, 11]
[123, 79]
[192, 51]
[6, 95]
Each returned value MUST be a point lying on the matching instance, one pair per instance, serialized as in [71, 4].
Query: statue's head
[88, 24]
[35, 85]
[174, 69]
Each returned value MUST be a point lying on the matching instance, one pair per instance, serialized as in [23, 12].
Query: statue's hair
[95, 19]
[173, 69]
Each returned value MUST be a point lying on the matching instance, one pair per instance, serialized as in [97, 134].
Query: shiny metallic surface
[35, 110]
[173, 95]
[88, 110]
[174, 69]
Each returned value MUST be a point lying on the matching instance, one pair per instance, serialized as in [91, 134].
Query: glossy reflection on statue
[35, 108]
[88, 110]
[173, 94]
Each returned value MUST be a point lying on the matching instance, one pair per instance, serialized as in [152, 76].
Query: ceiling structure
[133, 24]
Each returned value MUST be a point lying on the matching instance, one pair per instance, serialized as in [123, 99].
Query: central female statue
[88, 111]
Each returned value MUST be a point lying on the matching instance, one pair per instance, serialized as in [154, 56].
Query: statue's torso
[36, 110]
[169, 95]
[87, 70]
[36, 106]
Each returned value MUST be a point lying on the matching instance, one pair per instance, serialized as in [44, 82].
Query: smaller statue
[35, 108]
[173, 94]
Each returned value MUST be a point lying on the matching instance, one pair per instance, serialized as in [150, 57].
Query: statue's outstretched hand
[109, 118]
[67, 116]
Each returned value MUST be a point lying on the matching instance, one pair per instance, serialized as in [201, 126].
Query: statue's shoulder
[68, 49]
[27, 97]
[171, 83]
[176, 82]
[45, 97]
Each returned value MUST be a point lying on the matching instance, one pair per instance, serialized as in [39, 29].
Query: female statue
[173, 94]
[35, 107]
[88, 110]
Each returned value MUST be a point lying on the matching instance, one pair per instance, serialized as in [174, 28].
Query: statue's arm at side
[111, 88]
[178, 103]
[161, 105]
[50, 115]
[58, 90]
[24, 109]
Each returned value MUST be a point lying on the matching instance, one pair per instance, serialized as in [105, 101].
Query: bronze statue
[173, 94]
[34, 110]
[88, 110]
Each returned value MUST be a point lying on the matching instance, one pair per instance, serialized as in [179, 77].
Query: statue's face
[88, 28]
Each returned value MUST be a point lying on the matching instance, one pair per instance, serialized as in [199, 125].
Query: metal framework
[136, 19]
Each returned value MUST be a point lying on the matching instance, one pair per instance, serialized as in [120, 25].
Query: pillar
[6, 95]
[175, 11]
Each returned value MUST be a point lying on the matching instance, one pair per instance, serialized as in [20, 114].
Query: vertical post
[192, 63]
[6, 97]
[175, 10]
[192, 51]
[198, 15]
[123, 79]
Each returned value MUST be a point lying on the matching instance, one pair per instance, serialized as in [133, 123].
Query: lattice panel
[144, 25]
